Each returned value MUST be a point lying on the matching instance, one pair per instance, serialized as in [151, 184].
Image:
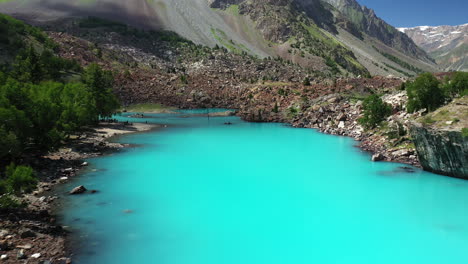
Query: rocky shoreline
[32, 234]
[338, 114]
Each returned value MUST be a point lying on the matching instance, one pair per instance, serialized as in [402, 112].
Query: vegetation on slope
[427, 92]
[400, 62]
[286, 23]
[38, 106]
[375, 111]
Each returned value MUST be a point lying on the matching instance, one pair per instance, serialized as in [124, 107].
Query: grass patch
[223, 39]
[465, 132]
[428, 120]
[233, 10]
[274, 84]
[149, 107]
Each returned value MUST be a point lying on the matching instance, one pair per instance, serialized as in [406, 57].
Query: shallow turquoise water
[205, 193]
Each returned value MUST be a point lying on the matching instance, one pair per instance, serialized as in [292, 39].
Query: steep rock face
[441, 151]
[448, 45]
[366, 20]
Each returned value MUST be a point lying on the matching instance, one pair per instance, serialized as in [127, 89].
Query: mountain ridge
[309, 33]
[448, 45]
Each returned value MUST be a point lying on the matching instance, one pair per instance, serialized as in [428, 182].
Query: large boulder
[78, 190]
[378, 157]
[441, 151]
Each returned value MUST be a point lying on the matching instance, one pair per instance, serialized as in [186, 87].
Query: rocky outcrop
[78, 190]
[441, 151]
[223, 3]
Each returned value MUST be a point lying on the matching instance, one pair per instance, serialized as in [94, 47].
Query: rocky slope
[367, 21]
[309, 33]
[448, 45]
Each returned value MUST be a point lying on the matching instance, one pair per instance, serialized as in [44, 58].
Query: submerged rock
[78, 190]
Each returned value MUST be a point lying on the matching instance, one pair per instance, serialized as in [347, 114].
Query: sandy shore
[32, 234]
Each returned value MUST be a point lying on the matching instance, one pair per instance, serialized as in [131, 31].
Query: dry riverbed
[32, 234]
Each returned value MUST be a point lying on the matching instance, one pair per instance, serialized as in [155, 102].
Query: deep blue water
[201, 192]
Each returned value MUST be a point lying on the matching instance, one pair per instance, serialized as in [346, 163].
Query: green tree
[458, 85]
[78, 107]
[44, 113]
[375, 111]
[27, 66]
[100, 83]
[424, 92]
[9, 144]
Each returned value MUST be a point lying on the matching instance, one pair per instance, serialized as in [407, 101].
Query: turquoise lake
[201, 192]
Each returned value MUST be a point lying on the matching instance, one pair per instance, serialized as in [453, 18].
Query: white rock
[63, 179]
[3, 233]
[27, 246]
[449, 122]
[42, 199]
[84, 164]
[4, 256]
[341, 124]
[36, 255]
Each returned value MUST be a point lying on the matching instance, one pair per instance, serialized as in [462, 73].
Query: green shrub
[458, 85]
[375, 111]
[424, 92]
[465, 132]
[282, 92]
[276, 108]
[7, 202]
[306, 81]
[20, 179]
[183, 79]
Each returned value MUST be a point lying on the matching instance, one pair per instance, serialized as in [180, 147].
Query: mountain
[448, 45]
[367, 21]
[337, 38]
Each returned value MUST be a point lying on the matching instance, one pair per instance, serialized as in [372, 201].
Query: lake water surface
[201, 192]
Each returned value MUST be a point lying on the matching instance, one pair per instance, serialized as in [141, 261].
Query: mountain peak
[447, 44]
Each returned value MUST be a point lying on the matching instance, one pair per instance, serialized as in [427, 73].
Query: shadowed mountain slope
[310, 33]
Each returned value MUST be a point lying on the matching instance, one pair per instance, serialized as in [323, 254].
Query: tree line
[425, 92]
[40, 106]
